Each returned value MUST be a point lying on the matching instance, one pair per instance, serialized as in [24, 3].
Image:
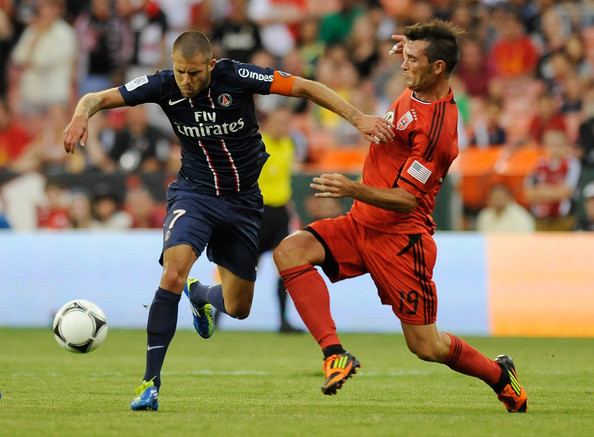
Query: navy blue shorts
[227, 226]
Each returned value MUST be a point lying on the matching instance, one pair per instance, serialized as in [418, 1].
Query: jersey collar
[448, 97]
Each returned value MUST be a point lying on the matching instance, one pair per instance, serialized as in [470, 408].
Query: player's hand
[374, 129]
[333, 185]
[75, 133]
[399, 46]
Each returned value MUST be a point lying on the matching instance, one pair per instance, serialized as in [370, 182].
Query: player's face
[419, 74]
[192, 75]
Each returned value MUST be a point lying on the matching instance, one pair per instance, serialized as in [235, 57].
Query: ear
[211, 64]
[439, 67]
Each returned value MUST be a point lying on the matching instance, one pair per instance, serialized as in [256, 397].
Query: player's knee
[238, 310]
[280, 254]
[173, 279]
[288, 254]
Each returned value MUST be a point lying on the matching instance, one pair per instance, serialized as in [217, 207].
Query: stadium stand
[342, 43]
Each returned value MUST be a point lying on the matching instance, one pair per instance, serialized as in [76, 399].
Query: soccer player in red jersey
[388, 232]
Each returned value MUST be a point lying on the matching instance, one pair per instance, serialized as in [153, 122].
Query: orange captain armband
[282, 83]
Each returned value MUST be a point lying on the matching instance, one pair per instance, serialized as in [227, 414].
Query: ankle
[502, 382]
[333, 349]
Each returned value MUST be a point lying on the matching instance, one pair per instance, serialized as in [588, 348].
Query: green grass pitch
[266, 384]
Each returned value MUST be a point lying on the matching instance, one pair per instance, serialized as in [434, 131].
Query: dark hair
[190, 43]
[442, 37]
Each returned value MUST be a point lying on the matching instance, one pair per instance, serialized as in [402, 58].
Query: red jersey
[514, 58]
[554, 172]
[14, 140]
[417, 160]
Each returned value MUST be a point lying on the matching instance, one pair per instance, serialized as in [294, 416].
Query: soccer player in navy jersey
[215, 202]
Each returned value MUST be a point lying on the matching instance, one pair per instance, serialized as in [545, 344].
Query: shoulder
[396, 109]
[518, 210]
[225, 69]
[62, 27]
[166, 80]
[162, 79]
[155, 86]
[406, 96]
[164, 75]
[243, 77]
[451, 100]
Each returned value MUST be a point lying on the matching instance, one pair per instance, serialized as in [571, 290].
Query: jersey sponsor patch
[135, 83]
[419, 171]
[389, 116]
[245, 73]
[406, 119]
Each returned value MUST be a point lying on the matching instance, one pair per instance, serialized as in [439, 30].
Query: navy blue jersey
[222, 150]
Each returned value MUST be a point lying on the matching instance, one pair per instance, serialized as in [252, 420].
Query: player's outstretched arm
[374, 129]
[337, 185]
[77, 130]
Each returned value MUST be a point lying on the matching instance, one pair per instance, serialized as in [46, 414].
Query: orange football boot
[511, 392]
[338, 368]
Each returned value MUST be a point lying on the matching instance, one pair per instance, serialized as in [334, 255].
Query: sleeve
[262, 80]
[419, 174]
[282, 83]
[143, 89]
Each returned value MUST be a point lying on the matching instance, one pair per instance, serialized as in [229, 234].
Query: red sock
[312, 301]
[465, 359]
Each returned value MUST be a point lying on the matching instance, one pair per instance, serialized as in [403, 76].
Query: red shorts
[400, 265]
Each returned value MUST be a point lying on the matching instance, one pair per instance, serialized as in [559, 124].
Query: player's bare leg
[162, 321]
[295, 257]
[233, 296]
[177, 262]
[427, 343]
[237, 292]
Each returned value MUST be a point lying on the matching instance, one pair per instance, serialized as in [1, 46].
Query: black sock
[503, 381]
[202, 294]
[160, 328]
[281, 292]
[333, 349]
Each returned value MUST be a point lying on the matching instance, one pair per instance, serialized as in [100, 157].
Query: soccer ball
[80, 326]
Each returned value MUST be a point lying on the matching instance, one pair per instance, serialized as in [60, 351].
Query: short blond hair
[191, 43]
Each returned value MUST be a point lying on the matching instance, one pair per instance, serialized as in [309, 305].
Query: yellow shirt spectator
[275, 179]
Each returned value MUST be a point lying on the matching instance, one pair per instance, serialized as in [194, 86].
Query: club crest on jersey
[406, 119]
[224, 100]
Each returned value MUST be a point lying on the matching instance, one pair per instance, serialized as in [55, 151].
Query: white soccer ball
[80, 326]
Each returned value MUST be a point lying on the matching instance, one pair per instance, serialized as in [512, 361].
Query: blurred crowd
[525, 79]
